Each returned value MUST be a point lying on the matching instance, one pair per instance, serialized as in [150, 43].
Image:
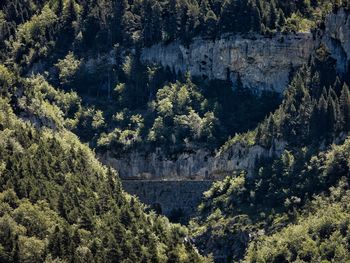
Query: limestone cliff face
[155, 165]
[200, 165]
[178, 200]
[336, 37]
[261, 62]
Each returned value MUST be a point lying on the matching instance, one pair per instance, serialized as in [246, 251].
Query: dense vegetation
[57, 202]
[65, 37]
[93, 48]
[259, 211]
[148, 22]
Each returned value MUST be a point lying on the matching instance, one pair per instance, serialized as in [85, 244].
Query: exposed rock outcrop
[336, 37]
[157, 166]
[261, 62]
[176, 199]
[191, 166]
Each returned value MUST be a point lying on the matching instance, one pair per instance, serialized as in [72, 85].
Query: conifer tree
[331, 115]
[255, 18]
[204, 8]
[172, 20]
[322, 116]
[273, 16]
[70, 15]
[59, 8]
[120, 7]
[345, 107]
[210, 24]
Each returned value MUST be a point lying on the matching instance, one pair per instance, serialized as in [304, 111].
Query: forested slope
[93, 47]
[259, 211]
[57, 202]
[70, 72]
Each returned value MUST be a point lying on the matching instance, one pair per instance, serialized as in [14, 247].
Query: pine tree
[228, 17]
[71, 13]
[119, 7]
[190, 21]
[16, 251]
[54, 242]
[255, 19]
[147, 26]
[322, 116]
[59, 8]
[273, 16]
[345, 108]
[172, 20]
[210, 24]
[332, 115]
[157, 23]
[70, 16]
[281, 20]
[271, 128]
[61, 206]
[203, 11]
[337, 86]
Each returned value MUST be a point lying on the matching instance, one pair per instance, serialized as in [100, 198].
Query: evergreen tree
[210, 24]
[172, 20]
[147, 22]
[255, 18]
[273, 16]
[281, 20]
[345, 108]
[204, 9]
[59, 9]
[120, 7]
[322, 116]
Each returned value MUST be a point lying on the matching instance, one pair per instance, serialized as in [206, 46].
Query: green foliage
[68, 68]
[52, 108]
[7, 79]
[58, 203]
[35, 38]
[33, 28]
[181, 115]
[310, 119]
[319, 234]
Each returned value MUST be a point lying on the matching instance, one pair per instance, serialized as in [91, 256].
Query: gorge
[261, 63]
[174, 131]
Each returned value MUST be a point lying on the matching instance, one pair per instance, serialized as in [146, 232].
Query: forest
[72, 87]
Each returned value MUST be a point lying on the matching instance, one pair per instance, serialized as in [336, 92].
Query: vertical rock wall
[178, 200]
[261, 62]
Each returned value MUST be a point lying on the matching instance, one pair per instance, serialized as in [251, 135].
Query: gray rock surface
[261, 62]
[200, 165]
[336, 37]
[175, 199]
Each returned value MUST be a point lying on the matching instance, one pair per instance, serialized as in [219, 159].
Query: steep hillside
[94, 48]
[298, 161]
[57, 202]
[320, 233]
[155, 89]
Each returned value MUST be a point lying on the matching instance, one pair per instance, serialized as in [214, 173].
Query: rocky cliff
[336, 37]
[178, 200]
[201, 165]
[261, 62]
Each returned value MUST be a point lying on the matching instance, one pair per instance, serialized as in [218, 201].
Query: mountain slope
[313, 116]
[57, 202]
